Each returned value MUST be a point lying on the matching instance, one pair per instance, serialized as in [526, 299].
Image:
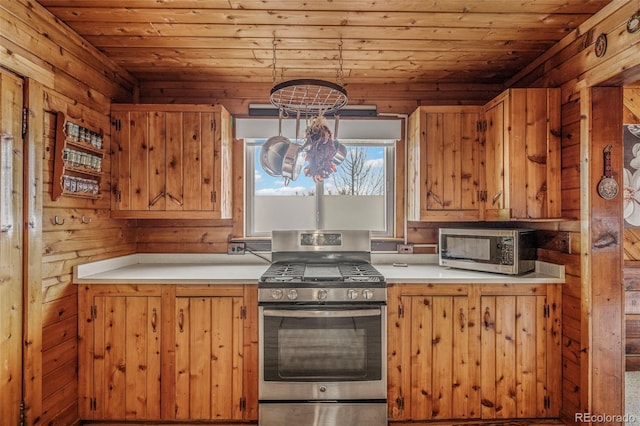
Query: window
[359, 195]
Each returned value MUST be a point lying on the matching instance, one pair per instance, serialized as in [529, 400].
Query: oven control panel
[321, 295]
[320, 239]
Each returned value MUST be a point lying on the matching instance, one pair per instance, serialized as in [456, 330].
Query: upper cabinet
[444, 164]
[500, 162]
[171, 161]
[521, 131]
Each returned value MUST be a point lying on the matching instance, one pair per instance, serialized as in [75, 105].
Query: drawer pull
[174, 199]
[156, 199]
[495, 198]
[181, 320]
[487, 319]
[154, 320]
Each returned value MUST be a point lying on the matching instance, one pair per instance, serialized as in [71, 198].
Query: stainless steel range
[322, 332]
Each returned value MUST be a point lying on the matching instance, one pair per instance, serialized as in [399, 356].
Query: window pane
[354, 197]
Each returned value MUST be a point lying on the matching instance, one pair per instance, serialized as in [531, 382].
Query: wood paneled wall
[72, 77]
[86, 233]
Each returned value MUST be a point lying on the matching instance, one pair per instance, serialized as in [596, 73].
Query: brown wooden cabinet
[209, 369]
[171, 161]
[168, 352]
[473, 351]
[521, 132]
[500, 162]
[519, 358]
[119, 368]
[443, 166]
[430, 356]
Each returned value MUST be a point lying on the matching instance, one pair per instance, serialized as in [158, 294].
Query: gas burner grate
[358, 270]
[284, 272]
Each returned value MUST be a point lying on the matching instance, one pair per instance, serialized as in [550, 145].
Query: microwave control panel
[506, 251]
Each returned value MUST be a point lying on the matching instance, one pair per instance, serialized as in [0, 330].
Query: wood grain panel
[139, 148]
[174, 161]
[157, 169]
[192, 162]
[11, 245]
[442, 353]
[421, 377]
[210, 172]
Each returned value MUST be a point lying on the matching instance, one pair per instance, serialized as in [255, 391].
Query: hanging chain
[339, 72]
[273, 72]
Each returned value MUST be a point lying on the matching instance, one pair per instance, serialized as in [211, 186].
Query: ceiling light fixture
[309, 97]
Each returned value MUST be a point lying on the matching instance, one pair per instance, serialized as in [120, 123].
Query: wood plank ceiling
[383, 41]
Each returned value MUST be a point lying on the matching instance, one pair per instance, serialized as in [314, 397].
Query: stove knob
[276, 294]
[292, 294]
[322, 294]
[367, 294]
[352, 294]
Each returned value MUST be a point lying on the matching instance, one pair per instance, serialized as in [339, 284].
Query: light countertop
[246, 269]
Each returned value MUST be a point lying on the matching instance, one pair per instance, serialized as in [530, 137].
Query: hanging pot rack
[309, 97]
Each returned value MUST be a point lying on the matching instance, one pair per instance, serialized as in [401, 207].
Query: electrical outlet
[405, 248]
[235, 248]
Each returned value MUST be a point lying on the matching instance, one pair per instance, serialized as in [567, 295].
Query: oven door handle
[307, 313]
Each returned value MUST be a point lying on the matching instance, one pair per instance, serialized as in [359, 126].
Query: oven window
[308, 349]
[343, 353]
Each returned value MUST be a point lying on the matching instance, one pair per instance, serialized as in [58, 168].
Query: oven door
[322, 352]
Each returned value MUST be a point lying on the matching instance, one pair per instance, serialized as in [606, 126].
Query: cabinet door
[515, 358]
[444, 164]
[495, 163]
[171, 162]
[534, 153]
[431, 373]
[209, 358]
[126, 358]
[522, 155]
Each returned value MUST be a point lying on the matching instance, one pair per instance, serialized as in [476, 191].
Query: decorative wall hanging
[633, 24]
[607, 187]
[601, 45]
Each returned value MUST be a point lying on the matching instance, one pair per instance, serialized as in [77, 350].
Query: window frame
[390, 176]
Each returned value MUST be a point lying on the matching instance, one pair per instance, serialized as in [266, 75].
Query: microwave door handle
[290, 313]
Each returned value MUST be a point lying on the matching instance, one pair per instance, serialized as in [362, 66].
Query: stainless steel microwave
[505, 251]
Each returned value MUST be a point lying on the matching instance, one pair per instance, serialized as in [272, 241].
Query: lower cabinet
[208, 366]
[124, 370]
[168, 352]
[474, 351]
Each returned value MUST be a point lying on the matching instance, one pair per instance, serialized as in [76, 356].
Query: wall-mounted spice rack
[77, 164]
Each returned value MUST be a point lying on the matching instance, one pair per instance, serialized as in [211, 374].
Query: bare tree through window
[358, 175]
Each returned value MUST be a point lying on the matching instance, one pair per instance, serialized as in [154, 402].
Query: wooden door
[495, 138]
[11, 246]
[126, 358]
[209, 358]
[451, 166]
[514, 357]
[431, 373]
